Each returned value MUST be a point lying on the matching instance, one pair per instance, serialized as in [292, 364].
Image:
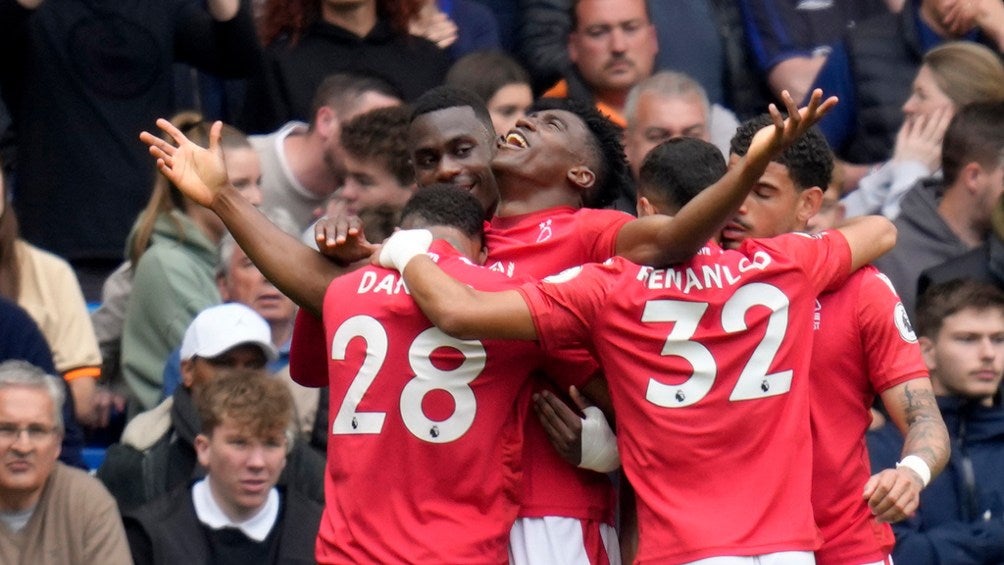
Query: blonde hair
[166, 198]
[966, 72]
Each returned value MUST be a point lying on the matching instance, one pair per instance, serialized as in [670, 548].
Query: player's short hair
[251, 398]
[678, 169]
[443, 97]
[381, 135]
[442, 204]
[944, 299]
[486, 72]
[809, 159]
[342, 91]
[975, 134]
[606, 158]
[19, 373]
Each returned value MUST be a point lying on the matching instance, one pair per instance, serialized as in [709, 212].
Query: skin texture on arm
[894, 494]
[869, 237]
[661, 240]
[296, 270]
[463, 312]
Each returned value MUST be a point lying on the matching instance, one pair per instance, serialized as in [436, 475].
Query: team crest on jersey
[903, 324]
[564, 276]
[545, 231]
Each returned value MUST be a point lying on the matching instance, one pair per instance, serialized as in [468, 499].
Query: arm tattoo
[926, 435]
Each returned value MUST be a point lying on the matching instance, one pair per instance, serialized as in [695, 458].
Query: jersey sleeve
[887, 338]
[825, 258]
[308, 352]
[564, 307]
[603, 227]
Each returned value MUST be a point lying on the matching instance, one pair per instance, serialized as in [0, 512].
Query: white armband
[599, 444]
[917, 465]
[403, 246]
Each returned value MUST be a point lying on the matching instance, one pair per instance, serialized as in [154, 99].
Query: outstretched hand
[775, 138]
[198, 172]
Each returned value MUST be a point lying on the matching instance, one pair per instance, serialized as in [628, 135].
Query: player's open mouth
[515, 139]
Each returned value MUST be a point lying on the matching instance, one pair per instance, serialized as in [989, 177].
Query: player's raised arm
[454, 307]
[296, 270]
[869, 238]
[661, 240]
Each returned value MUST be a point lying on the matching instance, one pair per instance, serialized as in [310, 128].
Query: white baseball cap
[218, 329]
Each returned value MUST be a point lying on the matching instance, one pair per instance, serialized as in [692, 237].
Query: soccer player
[864, 347]
[707, 374]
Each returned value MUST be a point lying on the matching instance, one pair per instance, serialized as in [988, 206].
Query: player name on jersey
[687, 279]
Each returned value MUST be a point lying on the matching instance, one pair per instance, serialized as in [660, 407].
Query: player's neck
[519, 196]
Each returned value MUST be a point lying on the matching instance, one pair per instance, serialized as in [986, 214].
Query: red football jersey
[537, 245]
[424, 459]
[864, 345]
[707, 365]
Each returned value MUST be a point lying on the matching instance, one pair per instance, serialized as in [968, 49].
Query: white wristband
[403, 246]
[917, 465]
[599, 444]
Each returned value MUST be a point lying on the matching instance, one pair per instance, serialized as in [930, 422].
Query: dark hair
[443, 97]
[10, 272]
[342, 92]
[607, 159]
[976, 133]
[442, 204]
[678, 169]
[809, 159]
[251, 398]
[944, 299]
[291, 18]
[485, 73]
[381, 135]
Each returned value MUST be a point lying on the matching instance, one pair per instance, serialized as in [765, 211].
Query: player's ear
[644, 207]
[810, 201]
[582, 176]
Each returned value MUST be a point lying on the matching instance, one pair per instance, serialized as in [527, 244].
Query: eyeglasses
[9, 433]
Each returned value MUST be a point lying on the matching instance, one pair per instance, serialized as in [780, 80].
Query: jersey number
[428, 378]
[754, 381]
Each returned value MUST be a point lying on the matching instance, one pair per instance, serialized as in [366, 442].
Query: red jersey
[424, 459]
[537, 245]
[865, 345]
[707, 366]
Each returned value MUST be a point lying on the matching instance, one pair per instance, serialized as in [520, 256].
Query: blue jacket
[961, 515]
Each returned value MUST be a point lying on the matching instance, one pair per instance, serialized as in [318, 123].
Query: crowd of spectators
[146, 314]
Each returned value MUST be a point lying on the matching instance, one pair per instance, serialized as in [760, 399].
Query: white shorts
[779, 558]
[555, 540]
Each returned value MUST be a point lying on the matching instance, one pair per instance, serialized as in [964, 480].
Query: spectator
[985, 263]
[791, 39]
[961, 329]
[461, 27]
[611, 48]
[157, 452]
[378, 168]
[952, 75]
[694, 37]
[21, 339]
[871, 69]
[50, 513]
[667, 105]
[302, 164]
[307, 40]
[499, 81]
[944, 218]
[101, 73]
[45, 286]
[173, 250]
[236, 513]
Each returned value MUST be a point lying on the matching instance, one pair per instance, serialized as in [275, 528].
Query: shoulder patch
[903, 324]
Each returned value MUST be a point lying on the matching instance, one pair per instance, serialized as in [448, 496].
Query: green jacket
[173, 281]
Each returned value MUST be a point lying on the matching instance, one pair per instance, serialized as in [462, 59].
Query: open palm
[199, 172]
[777, 137]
